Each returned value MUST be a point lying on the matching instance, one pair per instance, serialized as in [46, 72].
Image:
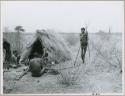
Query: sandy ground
[90, 82]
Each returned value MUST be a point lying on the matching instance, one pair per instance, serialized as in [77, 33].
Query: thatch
[55, 45]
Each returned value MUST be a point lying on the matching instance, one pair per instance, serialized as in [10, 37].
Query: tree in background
[18, 29]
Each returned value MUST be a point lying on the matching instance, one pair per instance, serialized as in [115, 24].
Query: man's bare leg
[85, 48]
[82, 53]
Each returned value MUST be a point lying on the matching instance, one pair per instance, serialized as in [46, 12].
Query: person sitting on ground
[37, 66]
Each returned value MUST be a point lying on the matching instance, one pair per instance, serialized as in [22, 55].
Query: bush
[69, 77]
[108, 55]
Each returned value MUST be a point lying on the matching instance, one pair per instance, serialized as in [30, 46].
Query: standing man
[83, 42]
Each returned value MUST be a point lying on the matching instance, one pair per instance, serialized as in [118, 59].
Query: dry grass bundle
[55, 45]
[70, 77]
[12, 37]
[108, 55]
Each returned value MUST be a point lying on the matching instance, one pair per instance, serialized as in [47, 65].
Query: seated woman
[37, 65]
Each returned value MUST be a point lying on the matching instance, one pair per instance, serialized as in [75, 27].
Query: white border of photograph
[55, 94]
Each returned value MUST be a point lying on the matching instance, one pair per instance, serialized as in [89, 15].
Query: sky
[63, 16]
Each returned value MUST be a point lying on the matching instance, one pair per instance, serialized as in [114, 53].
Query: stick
[64, 68]
[23, 74]
[77, 56]
[88, 38]
[89, 51]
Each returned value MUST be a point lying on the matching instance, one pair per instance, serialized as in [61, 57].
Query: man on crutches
[83, 42]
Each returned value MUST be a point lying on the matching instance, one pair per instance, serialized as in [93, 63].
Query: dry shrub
[70, 77]
[108, 55]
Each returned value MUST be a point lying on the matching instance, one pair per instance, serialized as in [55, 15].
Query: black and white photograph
[62, 47]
